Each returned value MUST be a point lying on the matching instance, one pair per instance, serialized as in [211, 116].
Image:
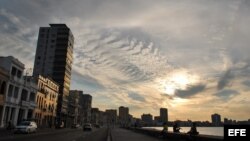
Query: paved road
[119, 134]
[66, 135]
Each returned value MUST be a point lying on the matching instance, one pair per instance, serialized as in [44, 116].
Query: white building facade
[19, 97]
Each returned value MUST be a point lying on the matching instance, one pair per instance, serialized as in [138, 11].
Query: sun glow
[170, 89]
[181, 79]
[178, 80]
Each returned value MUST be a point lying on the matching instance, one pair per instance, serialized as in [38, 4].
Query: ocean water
[215, 131]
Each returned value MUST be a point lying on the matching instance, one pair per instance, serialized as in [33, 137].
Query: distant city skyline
[191, 57]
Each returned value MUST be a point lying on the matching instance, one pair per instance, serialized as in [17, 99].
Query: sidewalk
[119, 134]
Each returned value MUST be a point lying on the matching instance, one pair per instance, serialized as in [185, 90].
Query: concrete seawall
[176, 136]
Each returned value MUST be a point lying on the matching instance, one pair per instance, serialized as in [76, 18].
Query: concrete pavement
[119, 134]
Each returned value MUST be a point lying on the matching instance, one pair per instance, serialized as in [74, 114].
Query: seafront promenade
[139, 134]
[120, 134]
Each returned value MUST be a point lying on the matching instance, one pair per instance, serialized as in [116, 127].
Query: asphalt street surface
[68, 135]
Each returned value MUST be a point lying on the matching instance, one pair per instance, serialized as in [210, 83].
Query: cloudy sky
[190, 56]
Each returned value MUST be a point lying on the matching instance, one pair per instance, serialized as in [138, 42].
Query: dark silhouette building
[216, 119]
[54, 56]
[164, 115]
[123, 115]
[95, 116]
[85, 101]
[74, 107]
[111, 116]
[147, 119]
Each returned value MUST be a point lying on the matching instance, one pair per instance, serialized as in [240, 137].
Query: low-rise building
[46, 99]
[111, 116]
[85, 101]
[147, 119]
[74, 107]
[4, 78]
[103, 118]
[19, 97]
[95, 114]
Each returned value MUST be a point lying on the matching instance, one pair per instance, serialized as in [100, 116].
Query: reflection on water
[216, 131]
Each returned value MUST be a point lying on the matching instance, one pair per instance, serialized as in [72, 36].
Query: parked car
[26, 127]
[87, 127]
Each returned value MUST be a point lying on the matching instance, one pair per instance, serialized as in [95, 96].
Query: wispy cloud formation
[246, 83]
[226, 94]
[225, 80]
[144, 54]
[190, 91]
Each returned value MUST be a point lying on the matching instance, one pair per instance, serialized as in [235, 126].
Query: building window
[3, 87]
[32, 96]
[16, 92]
[10, 91]
[24, 95]
[19, 74]
[13, 71]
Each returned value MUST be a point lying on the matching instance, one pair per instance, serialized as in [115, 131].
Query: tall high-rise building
[164, 115]
[123, 115]
[54, 56]
[216, 119]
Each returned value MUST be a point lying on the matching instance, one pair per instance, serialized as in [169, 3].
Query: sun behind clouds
[178, 80]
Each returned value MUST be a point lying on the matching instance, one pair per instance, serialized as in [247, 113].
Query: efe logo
[236, 132]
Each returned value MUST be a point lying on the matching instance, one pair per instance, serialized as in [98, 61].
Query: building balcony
[32, 104]
[29, 104]
[24, 103]
[16, 79]
[12, 100]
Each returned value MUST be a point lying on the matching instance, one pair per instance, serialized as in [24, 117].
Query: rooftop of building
[58, 25]
[76, 91]
[13, 60]
[47, 78]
